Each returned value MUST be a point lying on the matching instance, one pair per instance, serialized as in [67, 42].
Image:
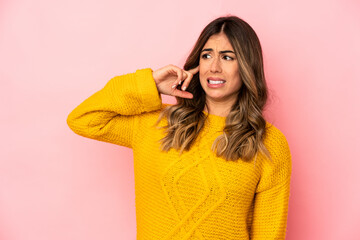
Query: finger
[179, 74]
[182, 94]
[194, 70]
[187, 80]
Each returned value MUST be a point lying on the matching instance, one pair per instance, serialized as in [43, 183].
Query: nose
[215, 65]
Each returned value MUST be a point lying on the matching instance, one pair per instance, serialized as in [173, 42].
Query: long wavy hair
[245, 126]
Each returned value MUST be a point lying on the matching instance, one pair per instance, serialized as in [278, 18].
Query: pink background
[54, 54]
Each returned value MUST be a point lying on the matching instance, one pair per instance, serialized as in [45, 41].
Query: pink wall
[57, 185]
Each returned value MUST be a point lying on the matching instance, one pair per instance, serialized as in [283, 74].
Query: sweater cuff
[151, 99]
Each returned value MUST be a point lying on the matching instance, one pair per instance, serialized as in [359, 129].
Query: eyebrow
[210, 50]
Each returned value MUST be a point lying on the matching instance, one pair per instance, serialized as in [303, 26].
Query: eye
[205, 55]
[228, 58]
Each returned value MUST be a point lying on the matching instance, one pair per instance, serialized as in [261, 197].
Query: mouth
[215, 82]
[212, 80]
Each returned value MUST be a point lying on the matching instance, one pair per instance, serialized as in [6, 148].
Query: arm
[272, 195]
[110, 114]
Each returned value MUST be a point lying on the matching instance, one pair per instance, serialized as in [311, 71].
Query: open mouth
[215, 81]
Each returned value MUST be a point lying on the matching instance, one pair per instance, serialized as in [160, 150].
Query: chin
[216, 97]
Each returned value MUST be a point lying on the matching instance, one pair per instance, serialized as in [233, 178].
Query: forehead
[218, 41]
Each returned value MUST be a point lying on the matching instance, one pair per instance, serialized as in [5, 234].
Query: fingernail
[173, 86]
[183, 88]
[179, 82]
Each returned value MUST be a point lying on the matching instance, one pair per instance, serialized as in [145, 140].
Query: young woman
[209, 167]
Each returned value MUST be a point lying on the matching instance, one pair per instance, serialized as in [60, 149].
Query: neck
[221, 109]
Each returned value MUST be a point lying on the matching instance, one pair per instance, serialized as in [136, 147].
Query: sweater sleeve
[110, 115]
[272, 195]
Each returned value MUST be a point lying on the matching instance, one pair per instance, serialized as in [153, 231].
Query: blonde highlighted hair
[245, 126]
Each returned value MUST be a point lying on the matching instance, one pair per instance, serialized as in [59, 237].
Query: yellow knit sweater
[195, 195]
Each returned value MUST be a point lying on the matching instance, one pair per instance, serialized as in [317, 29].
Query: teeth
[215, 82]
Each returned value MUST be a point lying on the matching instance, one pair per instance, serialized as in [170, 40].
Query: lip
[215, 79]
[215, 85]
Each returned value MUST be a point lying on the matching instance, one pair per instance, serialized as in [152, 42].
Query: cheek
[235, 74]
[236, 78]
[238, 83]
[201, 66]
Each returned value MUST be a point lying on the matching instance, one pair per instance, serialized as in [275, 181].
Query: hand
[169, 77]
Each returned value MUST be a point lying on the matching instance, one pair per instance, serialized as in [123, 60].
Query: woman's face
[219, 70]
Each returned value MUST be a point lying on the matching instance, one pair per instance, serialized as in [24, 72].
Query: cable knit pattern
[195, 195]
